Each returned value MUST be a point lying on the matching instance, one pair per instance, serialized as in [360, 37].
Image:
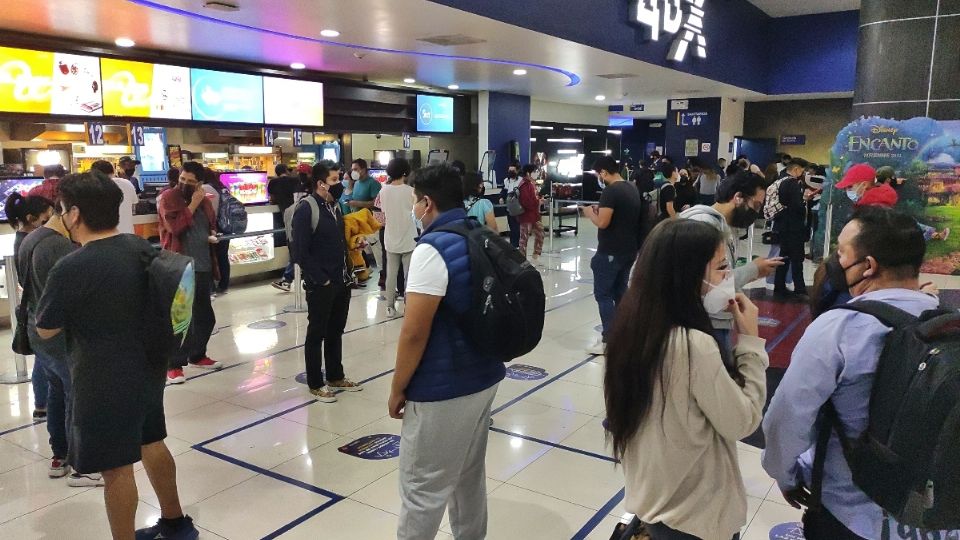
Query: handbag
[514, 208]
[21, 341]
[770, 238]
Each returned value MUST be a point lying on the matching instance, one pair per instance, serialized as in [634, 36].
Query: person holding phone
[674, 411]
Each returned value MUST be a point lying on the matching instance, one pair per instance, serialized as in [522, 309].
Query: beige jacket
[681, 468]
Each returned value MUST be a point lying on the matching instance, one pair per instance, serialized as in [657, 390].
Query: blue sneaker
[160, 531]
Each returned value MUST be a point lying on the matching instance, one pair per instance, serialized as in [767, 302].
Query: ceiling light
[453, 87]
[329, 33]
[601, 97]
[519, 72]
[297, 65]
[566, 151]
[408, 80]
[124, 42]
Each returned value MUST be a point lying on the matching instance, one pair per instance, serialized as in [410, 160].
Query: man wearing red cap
[866, 187]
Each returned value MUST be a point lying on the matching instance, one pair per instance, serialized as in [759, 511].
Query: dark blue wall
[813, 53]
[745, 46]
[708, 131]
[635, 139]
[509, 120]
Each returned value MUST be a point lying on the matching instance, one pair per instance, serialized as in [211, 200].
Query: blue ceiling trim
[574, 79]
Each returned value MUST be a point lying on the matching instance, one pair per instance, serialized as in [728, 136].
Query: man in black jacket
[319, 247]
[791, 224]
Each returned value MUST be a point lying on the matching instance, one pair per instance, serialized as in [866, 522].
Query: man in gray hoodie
[739, 201]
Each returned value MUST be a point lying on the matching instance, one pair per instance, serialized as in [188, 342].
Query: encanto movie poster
[925, 155]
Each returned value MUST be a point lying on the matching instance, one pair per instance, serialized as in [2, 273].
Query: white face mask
[355, 175]
[718, 298]
[853, 195]
[417, 221]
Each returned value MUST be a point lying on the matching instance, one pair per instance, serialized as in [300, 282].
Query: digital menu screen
[247, 187]
[218, 96]
[435, 114]
[21, 185]
[49, 83]
[144, 90]
[291, 102]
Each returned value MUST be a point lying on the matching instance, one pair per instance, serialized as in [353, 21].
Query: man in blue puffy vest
[442, 388]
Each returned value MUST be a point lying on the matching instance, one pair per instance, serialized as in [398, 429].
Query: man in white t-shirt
[130, 198]
[443, 387]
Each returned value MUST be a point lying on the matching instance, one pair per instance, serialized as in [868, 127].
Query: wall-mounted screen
[49, 83]
[247, 187]
[219, 96]
[144, 90]
[435, 114]
[153, 154]
[21, 185]
[290, 102]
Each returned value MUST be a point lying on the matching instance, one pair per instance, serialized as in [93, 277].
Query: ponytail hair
[20, 209]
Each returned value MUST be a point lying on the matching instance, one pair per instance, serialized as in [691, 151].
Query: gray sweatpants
[443, 447]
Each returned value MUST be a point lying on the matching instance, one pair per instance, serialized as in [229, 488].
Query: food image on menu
[76, 85]
[145, 90]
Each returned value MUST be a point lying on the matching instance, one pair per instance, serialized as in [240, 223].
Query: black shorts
[111, 422]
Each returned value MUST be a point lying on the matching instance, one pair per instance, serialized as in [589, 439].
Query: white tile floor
[280, 474]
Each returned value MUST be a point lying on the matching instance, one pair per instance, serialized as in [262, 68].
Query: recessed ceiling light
[124, 42]
[297, 65]
[601, 97]
[408, 80]
[519, 72]
[329, 33]
[454, 87]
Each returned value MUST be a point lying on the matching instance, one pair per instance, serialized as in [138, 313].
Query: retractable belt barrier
[20, 374]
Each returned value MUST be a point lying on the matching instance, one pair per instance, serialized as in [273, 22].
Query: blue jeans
[514, 230]
[38, 379]
[288, 273]
[58, 404]
[611, 274]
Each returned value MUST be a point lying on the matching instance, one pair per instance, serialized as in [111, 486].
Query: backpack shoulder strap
[887, 314]
[314, 211]
[829, 421]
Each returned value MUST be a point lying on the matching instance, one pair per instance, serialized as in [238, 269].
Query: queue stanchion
[298, 303]
[19, 374]
[551, 224]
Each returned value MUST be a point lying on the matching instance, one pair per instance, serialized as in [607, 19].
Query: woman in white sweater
[674, 412]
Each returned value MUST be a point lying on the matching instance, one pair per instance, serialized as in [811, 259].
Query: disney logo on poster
[680, 18]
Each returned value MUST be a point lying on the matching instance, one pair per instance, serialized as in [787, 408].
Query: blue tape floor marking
[597, 518]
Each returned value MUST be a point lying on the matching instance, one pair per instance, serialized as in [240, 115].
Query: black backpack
[232, 215]
[169, 314]
[506, 313]
[908, 459]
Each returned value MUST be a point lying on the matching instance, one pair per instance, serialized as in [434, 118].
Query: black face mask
[744, 216]
[188, 191]
[512, 174]
[335, 191]
[837, 275]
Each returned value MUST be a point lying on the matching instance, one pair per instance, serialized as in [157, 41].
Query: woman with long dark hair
[674, 412]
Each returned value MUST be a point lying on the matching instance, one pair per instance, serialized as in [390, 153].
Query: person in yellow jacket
[356, 227]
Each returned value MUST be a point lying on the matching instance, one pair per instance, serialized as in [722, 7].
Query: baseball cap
[857, 174]
[128, 159]
[304, 168]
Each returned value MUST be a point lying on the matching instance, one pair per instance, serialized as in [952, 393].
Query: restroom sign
[683, 19]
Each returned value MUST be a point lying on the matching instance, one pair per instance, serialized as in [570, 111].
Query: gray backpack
[314, 215]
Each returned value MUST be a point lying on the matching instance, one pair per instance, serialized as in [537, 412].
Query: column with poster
[924, 155]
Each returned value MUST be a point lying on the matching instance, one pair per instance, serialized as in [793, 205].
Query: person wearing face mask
[442, 388]
[791, 225]
[128, 170]
[674, 411]
[188, 226]
[511, 188]
[318, 245]
[878, 258]
[739, 201]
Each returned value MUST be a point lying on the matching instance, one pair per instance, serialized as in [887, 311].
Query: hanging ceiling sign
[682, 19]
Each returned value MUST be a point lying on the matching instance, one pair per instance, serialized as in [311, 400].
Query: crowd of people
[685, 365]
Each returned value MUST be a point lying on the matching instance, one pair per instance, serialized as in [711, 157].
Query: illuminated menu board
[292, 102]
[49, 83]
[247, 187]
[144, 90]
[219, 96]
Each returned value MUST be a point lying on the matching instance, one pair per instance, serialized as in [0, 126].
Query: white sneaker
[401, 308]
[58, 468]
[85, 480]
[598, 348]
[391, 312]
